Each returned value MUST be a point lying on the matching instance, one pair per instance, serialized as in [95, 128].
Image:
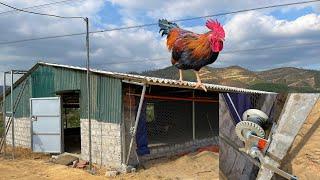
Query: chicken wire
[257, 100]
[170, 122]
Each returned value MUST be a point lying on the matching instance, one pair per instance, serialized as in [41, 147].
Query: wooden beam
[294, 113]
[268, 103]
[207, 100]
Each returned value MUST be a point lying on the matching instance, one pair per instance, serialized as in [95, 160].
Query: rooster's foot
[199, 84]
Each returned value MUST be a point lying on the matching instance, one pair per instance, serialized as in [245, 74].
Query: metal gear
[246, 126]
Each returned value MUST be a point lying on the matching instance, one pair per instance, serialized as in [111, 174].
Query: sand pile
[203, 165]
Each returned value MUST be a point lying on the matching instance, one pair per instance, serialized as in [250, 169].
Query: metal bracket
[256, 147]
[33, 118]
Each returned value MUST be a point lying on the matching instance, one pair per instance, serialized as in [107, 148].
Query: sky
[275, 27]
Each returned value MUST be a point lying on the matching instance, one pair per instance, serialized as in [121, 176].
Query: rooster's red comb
[215, 26]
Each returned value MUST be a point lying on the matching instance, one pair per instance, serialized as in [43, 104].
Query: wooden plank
[293, 115]
[233, 164]
[193, 99]
[268, 103]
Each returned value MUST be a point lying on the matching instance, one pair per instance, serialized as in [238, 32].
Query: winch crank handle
[255, 152]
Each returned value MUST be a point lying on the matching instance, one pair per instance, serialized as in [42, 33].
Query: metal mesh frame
[207, 120]
[257, 100]
[171, 121]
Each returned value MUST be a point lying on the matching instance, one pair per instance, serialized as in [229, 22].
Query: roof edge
[158, 81]
[140, 79]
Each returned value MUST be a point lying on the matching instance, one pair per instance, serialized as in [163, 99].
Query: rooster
[191, 50]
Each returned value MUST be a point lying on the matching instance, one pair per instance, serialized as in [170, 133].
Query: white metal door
[46, 124]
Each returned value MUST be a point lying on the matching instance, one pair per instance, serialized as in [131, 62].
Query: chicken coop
[133, 117]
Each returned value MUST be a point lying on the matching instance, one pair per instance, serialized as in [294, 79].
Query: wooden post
[268, 103]
[136, 122]
[293, 115]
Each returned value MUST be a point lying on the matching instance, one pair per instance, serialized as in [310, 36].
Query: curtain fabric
[141, 135]
[241, 102]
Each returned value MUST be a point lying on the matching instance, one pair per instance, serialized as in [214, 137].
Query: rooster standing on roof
[191, 50]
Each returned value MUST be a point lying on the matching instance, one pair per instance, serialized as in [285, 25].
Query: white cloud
[254, 29]
[247, 30]
[173, 9]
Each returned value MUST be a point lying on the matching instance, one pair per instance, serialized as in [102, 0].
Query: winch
[250, 131]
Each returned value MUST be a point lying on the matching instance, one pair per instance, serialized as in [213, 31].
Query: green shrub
[280, 88]
[270, 87]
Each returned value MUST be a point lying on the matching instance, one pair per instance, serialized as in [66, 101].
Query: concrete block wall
[174, 149]
[106, 142]
[22, 133]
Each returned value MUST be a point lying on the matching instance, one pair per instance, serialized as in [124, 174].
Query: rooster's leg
[199, 83]
[181, 77]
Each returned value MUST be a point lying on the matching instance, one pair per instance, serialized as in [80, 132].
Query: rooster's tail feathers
[166, 26]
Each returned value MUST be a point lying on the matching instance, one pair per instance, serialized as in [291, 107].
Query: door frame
[60, 122]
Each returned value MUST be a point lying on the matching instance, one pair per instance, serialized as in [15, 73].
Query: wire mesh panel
[169, 121]
[168, 116]
[257, 100]
[206, 120]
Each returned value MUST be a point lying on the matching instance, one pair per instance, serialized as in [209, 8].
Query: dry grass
[24, 153]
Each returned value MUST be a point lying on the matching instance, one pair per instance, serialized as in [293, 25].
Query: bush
[282, 88]
[270, 87]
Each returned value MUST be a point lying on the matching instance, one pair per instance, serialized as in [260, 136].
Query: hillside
[293, 77]
[286, 79]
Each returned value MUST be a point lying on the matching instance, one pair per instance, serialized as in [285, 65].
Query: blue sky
[110, 14]
[292, 14]
[272, 27]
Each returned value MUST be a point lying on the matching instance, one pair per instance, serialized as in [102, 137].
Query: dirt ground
[30, 166]
[303, 159]
[203, 165]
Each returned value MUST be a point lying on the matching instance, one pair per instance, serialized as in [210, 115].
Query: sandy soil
[30, 166]
[303, 159]
[204, 165]
[39, 169]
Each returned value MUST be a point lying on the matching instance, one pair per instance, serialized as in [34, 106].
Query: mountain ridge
[284, 79]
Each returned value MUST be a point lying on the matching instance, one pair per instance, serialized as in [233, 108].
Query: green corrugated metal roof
[45, 81]
[160, 81]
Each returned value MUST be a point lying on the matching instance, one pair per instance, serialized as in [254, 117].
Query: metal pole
[134, 131]
[234, 107]
[9, 120]
[4, 112]
[12, 116]
[193, 119]
[88, 90]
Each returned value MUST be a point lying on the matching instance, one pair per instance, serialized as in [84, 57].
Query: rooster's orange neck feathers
[199, 46]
